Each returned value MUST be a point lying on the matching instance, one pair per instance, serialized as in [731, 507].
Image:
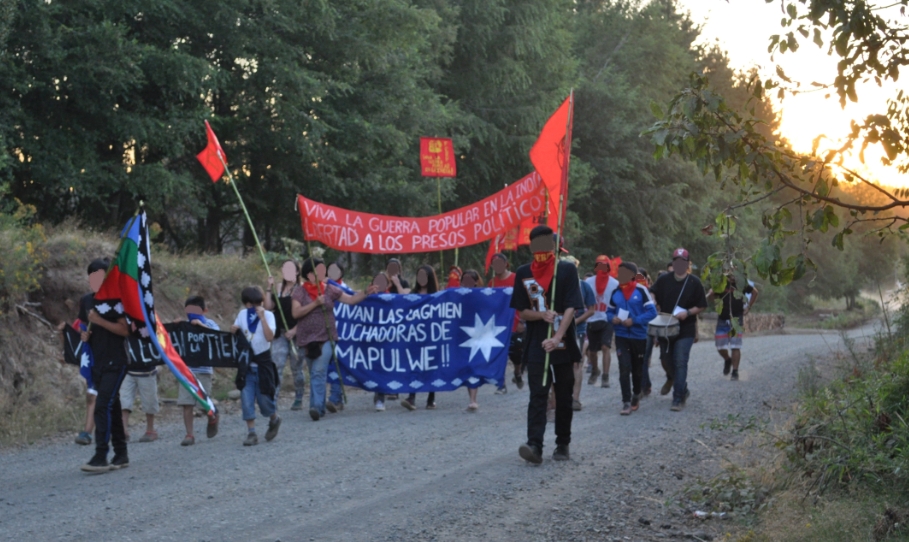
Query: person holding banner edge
[426, 284]
[471, 279]
[531, 297]
[195, 310]
[313, 308]
[503, 278]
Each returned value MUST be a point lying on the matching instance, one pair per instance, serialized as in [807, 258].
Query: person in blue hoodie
[631, 307]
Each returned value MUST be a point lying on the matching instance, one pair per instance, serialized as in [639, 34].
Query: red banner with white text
[353, 231]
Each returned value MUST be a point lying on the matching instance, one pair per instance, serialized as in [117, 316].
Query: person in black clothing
[282, 345]
[533, 300]
[728, 340]
[106, 338]
[681, 294]
[426, 284]
[397, 283]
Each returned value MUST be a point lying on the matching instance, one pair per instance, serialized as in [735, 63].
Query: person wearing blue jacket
[631, 307]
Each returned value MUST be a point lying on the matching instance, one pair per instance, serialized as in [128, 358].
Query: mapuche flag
[129, 280]
[551, 155]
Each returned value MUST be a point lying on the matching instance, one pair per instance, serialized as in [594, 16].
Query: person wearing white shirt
[599, 328]
[260, 382]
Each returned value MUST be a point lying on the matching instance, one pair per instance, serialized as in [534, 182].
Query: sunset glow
[743, 28]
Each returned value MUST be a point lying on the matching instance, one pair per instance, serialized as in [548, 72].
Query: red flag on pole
[551, 155]
[437, 158]
[212, 156]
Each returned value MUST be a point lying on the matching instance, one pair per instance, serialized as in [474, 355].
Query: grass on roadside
[853, 516]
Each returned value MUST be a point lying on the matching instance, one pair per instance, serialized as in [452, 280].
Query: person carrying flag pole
[128, 287]
[550, 344]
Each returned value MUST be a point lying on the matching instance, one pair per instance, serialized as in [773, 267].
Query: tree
[729, 143]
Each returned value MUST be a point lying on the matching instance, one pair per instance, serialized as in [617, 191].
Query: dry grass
[41, 397]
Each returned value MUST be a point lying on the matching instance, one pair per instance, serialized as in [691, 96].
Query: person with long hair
[313, 307]
[426, 283]
[280, 346]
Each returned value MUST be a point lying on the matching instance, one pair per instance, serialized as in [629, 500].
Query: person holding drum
[682, 295]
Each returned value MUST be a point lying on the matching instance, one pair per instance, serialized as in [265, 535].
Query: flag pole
[441, 259]
[560, 219]
[331, 341]
[252, 228]
[110, 266]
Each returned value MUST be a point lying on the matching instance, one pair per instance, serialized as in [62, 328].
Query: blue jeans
[280, 351]
[674, 354]
[318, 376]
[250, 396]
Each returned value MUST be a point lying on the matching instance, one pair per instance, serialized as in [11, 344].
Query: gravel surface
[423, 475]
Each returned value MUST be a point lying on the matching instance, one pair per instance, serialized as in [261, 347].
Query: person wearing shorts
[727, 338]
[143, 384]
[196, 315]
[599, 329]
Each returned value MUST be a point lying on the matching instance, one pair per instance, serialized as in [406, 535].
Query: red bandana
[542, 268]
[628, 289]
[454, 277]
[602, 282]
[314, 290]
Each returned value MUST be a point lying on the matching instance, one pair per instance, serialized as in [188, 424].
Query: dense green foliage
[102, 103]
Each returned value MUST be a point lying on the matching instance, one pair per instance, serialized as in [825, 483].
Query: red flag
[437, 158]
[212, 156]
[551, 155]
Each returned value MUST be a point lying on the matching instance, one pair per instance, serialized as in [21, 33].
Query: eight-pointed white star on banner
[483, 336]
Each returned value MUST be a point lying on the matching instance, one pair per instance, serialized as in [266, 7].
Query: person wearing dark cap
[532, 297]
[631, 307]
[681, 294]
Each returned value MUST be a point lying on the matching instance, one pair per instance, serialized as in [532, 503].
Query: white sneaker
[380, 406]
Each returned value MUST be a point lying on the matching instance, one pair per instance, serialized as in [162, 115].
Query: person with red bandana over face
[631, 307]
[532, 297]
[504, 278]
[599, 328]
[312, 306]
[454, 277]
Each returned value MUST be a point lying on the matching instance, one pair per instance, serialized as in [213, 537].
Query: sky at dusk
[743, 29]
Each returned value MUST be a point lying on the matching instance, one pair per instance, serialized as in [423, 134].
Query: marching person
[471, 279]
[284, 335]
[735, 307]
[195, 310]
[590, 307]
[426, 283]
[643, 277]
[259, 384]
[631, 307]
[313, 308]
[397, 283]
[599, 328]
[532, 297]
[106, 337]
[503, 278]
[681, 294]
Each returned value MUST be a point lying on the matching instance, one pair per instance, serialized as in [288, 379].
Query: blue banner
[420, 343]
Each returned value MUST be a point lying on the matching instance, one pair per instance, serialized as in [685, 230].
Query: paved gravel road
[423, 475]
